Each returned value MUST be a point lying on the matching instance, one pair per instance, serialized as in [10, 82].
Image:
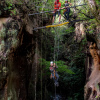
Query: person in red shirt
[51, 69]
[57, 6]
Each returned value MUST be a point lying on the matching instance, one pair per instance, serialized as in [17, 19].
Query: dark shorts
[68, 10]
[56, 12]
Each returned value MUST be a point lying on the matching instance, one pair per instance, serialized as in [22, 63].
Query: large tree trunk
[92, 87]
[95, 9]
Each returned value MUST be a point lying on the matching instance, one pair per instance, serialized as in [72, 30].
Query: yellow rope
[57, 25]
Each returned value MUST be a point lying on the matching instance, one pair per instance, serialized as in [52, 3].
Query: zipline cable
[53, 11]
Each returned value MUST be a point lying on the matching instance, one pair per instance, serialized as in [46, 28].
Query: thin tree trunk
[36, 58]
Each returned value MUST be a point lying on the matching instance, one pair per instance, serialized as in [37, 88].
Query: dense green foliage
[70, 62]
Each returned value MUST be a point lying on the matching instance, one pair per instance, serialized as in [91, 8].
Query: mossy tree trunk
[95, 9]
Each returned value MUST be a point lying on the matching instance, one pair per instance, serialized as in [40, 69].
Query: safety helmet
[57, 0]
[66, 0]
[51, 62]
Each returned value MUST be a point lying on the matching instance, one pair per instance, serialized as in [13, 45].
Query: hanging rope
[36, 54]
[56, 50]
[41, 70]
[55, 92]
[41, 58]
[55, 56]
[56, 45]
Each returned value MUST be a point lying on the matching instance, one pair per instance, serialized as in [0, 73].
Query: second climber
[67, 10]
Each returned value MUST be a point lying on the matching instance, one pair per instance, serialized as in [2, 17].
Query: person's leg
[53, 19]
[59, 18]
[57, 76]
[65, 14]
[59, 14]
[68, 13]
[55, 81]
[54, 15]
[52, 75]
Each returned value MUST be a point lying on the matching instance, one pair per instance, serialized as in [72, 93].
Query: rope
[56, 50]
[41, 57]
[55, 57]
[36, 69]
[45, 48]
[53, 11]
[57, 45]
[36, 66]
[54, 46]
[55, 92]
[41, 68]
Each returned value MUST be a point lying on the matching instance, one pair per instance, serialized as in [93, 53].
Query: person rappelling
[51, 69]
[56, 76]
[67, 10]
[54, 73]
[57, 6]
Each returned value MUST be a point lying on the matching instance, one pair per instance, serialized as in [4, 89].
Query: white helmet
[51, 62]
[66, 0]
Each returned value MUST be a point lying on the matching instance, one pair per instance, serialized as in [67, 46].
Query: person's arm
[50, 68]
[70, 3]
[56, 66]
[63, 8]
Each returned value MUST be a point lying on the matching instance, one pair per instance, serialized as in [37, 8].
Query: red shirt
[57, 5]
[51, 67]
